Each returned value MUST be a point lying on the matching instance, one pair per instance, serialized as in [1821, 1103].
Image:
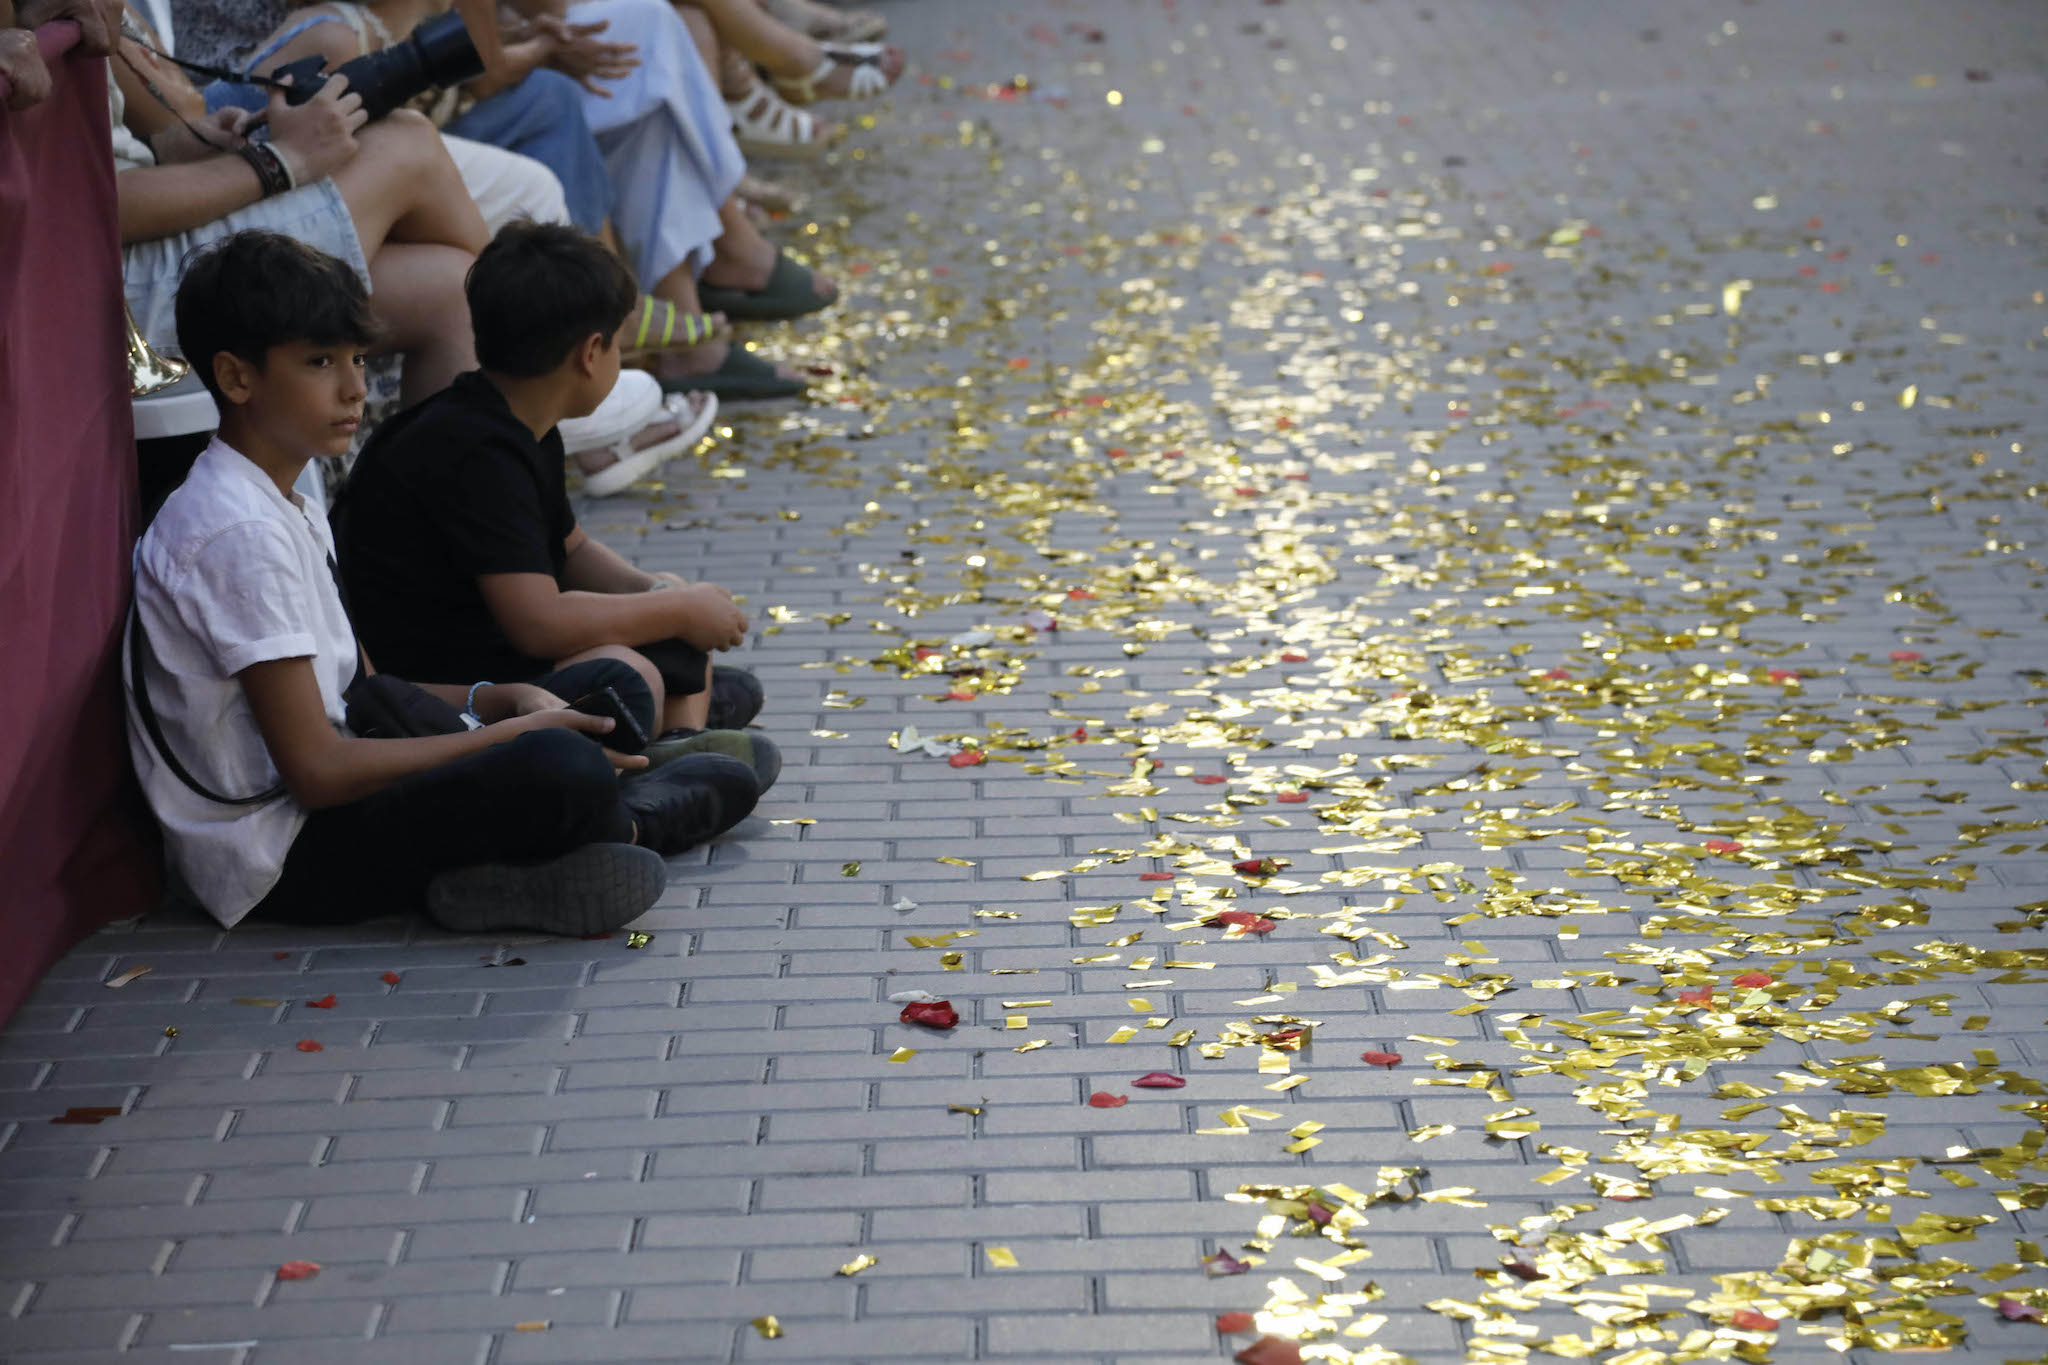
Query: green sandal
[657, 328]
[790, 293]
[743, 376]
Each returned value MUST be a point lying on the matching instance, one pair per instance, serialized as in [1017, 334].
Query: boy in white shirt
[243, 664]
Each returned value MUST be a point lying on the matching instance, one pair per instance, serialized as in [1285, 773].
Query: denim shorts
[150, 271]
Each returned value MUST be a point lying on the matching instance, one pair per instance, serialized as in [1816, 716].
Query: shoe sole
[636, 465]
[594, 890]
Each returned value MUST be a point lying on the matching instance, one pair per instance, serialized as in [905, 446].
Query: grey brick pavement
[1456, 411]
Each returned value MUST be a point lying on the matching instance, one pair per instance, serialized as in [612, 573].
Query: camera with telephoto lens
[438, 52]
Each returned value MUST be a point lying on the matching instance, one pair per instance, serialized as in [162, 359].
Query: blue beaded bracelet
[469, 706]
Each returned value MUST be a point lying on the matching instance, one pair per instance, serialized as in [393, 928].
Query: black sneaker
[750, 747]
[692, 799]
[736, 698]
[593, 890]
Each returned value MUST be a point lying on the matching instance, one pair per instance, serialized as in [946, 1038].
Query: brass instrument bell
[148, 369]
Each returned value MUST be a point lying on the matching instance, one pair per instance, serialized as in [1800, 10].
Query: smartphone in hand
[626, 736]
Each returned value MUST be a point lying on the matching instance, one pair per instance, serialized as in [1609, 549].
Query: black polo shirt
[449, 490]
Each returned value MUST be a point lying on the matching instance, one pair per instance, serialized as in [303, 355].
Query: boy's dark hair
[537, 291]
[255, 290]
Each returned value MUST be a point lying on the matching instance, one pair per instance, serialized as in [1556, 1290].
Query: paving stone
[1434, 239]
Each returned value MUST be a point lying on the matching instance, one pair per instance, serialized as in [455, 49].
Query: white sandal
[865, 81]
[765, 124]
[635, 403]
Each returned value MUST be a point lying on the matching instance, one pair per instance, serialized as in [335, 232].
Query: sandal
[828, 23]
[864, 82]
[789, 293]
[743, 377]
[765, 124]
[657, 328]
[692, 413]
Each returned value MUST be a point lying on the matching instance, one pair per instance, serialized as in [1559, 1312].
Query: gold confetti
[768, 1327]
[859, 1263]
[1000, 1258]
[903, 1054]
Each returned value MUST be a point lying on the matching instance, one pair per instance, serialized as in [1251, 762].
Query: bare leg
[402, 186]
[689, 713]
[761, 38]
[679, 287]
[416, 294]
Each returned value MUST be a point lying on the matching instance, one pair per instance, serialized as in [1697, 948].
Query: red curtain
[73, 847]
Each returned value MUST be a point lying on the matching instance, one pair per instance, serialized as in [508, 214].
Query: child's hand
[562, 718]
[502, 701]
[707, 618]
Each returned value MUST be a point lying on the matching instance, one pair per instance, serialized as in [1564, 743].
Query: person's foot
[810, 72]
[594, 890]
[750, 747]
[690, 800]
[746, 261]
[649, 436]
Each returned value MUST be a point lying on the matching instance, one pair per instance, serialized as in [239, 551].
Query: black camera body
[438, 52]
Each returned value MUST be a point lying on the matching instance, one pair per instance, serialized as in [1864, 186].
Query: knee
[556, 94]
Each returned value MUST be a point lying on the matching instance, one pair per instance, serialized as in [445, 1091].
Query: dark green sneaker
[750, 747]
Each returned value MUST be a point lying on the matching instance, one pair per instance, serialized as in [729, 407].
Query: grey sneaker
[736, 698]
[750, 747]
[691, 799]
[593, 890]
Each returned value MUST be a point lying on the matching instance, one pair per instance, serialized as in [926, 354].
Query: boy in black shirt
[461, 554]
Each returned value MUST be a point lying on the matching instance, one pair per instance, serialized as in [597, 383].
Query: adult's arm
[322, 768]
[314, 138]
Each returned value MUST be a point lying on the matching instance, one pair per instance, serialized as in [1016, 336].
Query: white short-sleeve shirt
[231, 573]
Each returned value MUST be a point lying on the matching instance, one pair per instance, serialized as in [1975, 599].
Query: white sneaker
[693, 414]
[634, 401]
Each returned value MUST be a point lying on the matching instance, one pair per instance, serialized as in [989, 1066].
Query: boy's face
[306, 400]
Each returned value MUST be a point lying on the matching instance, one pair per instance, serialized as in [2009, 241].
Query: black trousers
[545, 794]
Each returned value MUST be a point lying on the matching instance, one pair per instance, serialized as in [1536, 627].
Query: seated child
[459, 548]
[242, 663]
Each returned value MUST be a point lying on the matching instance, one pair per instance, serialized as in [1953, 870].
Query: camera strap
[212, 73]
[137, 642]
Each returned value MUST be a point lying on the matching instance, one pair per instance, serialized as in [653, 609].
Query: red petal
[938, 1014]
[2014, 1310]
[1756, 979]
[1116, 452]
[1155, 876]
[1749, 1320]
[1779, 675]
[1160, 1080]
[1080, 595]
[1703, 996]
[1291, 798]
[1247, 492]
[1294, 656]
[967, 758]
[1210, 779]
[1227, 1323]
[1078, 732]
[1240, 918]
[298, 1270]
[1269, 1351]
[325, 1002]
[1386, 1059]
[308, 1045]
[1723, 846]
[1019, 362]
[391, 978]
[1905, 656]
[960, 694]
[1102, 1099]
